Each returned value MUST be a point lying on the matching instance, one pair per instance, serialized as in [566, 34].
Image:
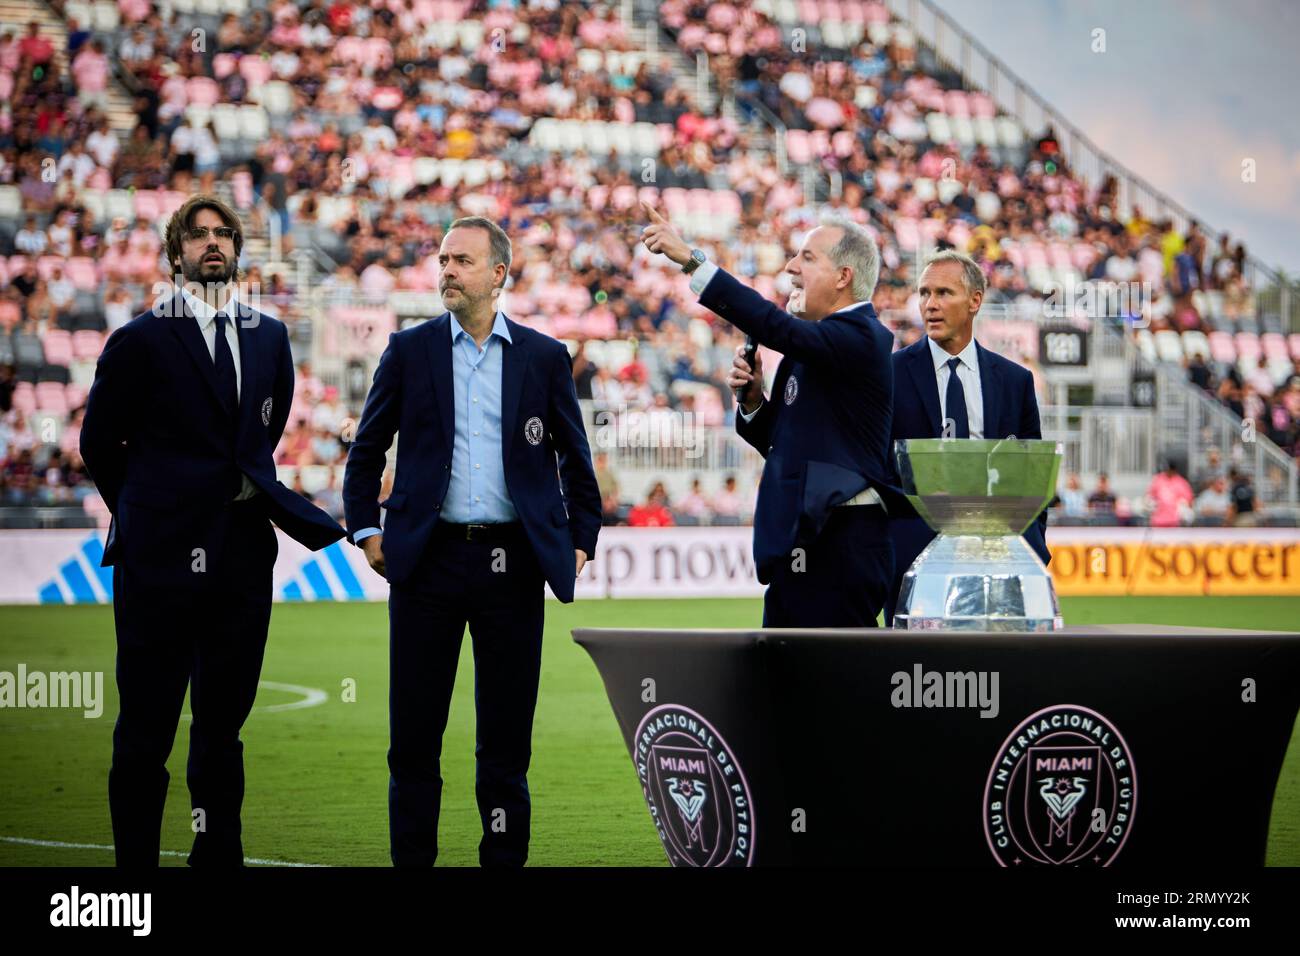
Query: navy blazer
[163, 452]
[825, 429]
[1010, 408]
[412, 394]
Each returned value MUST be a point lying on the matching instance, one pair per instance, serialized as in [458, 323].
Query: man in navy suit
[948, 385]
[188, 404]
[477, 521]
[821, 542]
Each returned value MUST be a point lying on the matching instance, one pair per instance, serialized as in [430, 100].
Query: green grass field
[317, 777]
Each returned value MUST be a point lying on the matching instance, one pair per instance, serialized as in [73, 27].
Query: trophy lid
[978, 486]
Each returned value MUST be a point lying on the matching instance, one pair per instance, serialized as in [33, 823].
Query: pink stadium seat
[1222, 348]
[1015, 255]
[1248, 345]
[954, 102]
[674, 200]
[146, 205]
[257, 71]
[50, 398]
[378, 53]
[169, 200]
[931, 229]
[648, 194]
[17, 264]
[843, 142]
[202, 91]
[87, 344]
[4, 271]
[1058, 253]
[75, 395]
[1274, 345]
[981, 106]
[58, 348]
[907, 233]
[876, 12]
[797, 148]
[46, 265]
[1294, 340]
[24, 398]
[725, 202]
[81, 270]
[623, 197]
[223, 64]
[699, 201]
[809, 12]
[597, 197]
[708, 406]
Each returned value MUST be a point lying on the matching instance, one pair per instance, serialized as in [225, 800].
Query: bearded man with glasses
[189, 401]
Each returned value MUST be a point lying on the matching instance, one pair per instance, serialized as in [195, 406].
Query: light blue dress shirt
[477, 491]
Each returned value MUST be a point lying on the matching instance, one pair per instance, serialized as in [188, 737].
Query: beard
[201, 273]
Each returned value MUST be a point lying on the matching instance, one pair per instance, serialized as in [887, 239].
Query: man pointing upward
[820, 529]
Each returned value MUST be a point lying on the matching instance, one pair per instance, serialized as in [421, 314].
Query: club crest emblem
[791, 390]
[266, 412]
[695, 789]
[533, 430]
[1062, 791]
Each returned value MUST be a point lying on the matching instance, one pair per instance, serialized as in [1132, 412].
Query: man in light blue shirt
[494, 496]
[477, 491]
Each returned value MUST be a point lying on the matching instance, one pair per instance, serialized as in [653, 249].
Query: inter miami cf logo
[266, 412]
[697, 793]
[1062, 791]
[791, 390]
[533, 430]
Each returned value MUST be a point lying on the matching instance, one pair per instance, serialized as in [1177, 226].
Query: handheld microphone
[751, 348]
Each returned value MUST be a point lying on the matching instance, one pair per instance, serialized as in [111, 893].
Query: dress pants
[843, 577]
[210, 638]
[488, 577]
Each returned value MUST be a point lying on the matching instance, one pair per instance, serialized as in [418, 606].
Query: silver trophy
[980, 495]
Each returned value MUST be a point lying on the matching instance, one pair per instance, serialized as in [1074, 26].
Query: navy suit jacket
[1010, 408]
[163, 452]
[412, 394]
[825, 429]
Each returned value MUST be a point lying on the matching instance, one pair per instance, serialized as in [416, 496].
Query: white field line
[60, 845]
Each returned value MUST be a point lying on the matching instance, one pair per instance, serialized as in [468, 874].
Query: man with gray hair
[494, 495]
[821, 540]
[948, 385]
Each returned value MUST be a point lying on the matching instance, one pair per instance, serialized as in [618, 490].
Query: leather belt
[480, 532]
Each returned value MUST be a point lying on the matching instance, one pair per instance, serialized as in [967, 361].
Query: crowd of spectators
[375, 87]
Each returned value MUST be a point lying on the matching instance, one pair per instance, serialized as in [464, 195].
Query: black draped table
[1124, 745]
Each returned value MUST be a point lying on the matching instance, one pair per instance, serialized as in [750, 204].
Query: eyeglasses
[200, 233]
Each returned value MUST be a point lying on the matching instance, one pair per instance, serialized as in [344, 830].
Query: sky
[1183, 93]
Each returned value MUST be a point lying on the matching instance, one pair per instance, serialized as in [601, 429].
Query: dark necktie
[955, 402]
[227, 384]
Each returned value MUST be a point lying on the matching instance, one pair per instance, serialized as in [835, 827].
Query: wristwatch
[697, 259]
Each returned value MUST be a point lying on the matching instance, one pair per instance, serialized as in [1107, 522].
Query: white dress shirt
[968, 373]
[206, 316]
